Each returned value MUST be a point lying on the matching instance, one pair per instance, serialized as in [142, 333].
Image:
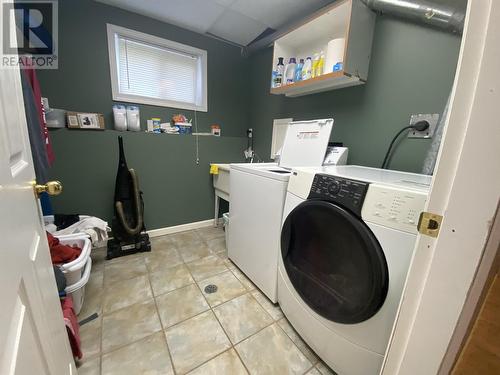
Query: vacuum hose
[138, 209]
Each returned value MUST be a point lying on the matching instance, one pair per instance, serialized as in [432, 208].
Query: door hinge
[429, 224]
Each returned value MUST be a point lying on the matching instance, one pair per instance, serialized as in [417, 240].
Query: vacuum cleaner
[129, 231]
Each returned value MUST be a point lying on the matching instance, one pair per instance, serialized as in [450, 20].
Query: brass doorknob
[51, 188]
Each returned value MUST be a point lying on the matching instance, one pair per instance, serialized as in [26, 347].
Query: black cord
[386, 158]
[419, 126]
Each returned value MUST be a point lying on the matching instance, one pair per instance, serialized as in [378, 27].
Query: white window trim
[146, 38]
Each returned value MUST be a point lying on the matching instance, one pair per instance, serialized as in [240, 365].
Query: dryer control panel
[394, 207]
[346, 192]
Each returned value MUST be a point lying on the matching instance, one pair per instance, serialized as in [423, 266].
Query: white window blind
[165, 73]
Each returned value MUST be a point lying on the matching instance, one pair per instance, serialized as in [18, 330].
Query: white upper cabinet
[347, 19]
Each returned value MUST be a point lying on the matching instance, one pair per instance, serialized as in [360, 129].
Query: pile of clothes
[94, 227]
[62, 253]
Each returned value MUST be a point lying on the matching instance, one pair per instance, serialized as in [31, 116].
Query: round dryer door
[334, 262]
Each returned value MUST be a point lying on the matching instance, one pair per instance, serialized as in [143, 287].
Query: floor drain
[210, 288]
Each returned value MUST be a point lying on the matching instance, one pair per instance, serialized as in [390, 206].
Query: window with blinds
[150, 70]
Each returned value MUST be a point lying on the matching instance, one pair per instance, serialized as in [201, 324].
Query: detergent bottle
[290, 71]
[315, 63]
[278, 73]
[298, 70]
[306, 69]
[321, 64]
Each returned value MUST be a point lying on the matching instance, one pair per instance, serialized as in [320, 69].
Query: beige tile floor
[156, 318]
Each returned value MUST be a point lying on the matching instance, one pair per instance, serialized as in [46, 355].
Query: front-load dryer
[347, 241]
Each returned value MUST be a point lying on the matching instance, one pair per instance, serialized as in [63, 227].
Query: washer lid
[305, 143]
[268, 170]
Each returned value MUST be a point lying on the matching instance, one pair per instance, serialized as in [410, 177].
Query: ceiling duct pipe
[448, 18]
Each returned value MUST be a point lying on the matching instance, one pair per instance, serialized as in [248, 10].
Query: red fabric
[37, 93]
[62, 253]
[72, 327]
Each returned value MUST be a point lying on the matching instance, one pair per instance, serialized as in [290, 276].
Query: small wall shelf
[349, 19]
[324, 82]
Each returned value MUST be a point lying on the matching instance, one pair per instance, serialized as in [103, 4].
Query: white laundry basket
[77, 272]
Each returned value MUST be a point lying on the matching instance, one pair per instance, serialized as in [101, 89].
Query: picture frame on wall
[88, 120]
[83, 120]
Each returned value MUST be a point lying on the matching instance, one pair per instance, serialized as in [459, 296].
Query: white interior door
[465, 191]
[33, 338]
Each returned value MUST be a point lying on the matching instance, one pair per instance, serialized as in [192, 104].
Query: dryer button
[334, 187]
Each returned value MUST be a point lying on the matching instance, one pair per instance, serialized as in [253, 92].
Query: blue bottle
[298, 70]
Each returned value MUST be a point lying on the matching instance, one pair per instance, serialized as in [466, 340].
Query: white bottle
[306, 69]
[133, 118]
[290, 71]
[120, 116]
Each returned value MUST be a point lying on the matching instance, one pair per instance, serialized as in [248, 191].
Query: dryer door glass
[334, 262]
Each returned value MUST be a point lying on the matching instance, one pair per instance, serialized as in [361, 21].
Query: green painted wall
[411, 71]
[82, 82]
[176, 189]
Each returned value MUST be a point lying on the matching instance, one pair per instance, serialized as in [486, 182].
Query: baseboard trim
[182, 228]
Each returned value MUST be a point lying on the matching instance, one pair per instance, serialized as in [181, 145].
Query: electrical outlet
[432, 119]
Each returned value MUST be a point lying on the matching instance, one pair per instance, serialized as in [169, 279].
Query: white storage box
[77, 272]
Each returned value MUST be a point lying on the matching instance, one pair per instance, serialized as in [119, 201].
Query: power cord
[419, 126]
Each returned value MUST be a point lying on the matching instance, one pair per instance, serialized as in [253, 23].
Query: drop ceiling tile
[272, 13]
[237, 27]
[225, 3]
[197, 15]
[275, 13]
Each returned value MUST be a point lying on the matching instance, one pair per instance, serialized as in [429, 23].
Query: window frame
[113, 30]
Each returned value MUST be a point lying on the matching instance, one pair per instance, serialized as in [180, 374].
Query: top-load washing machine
[347, 241]
[257, 198]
